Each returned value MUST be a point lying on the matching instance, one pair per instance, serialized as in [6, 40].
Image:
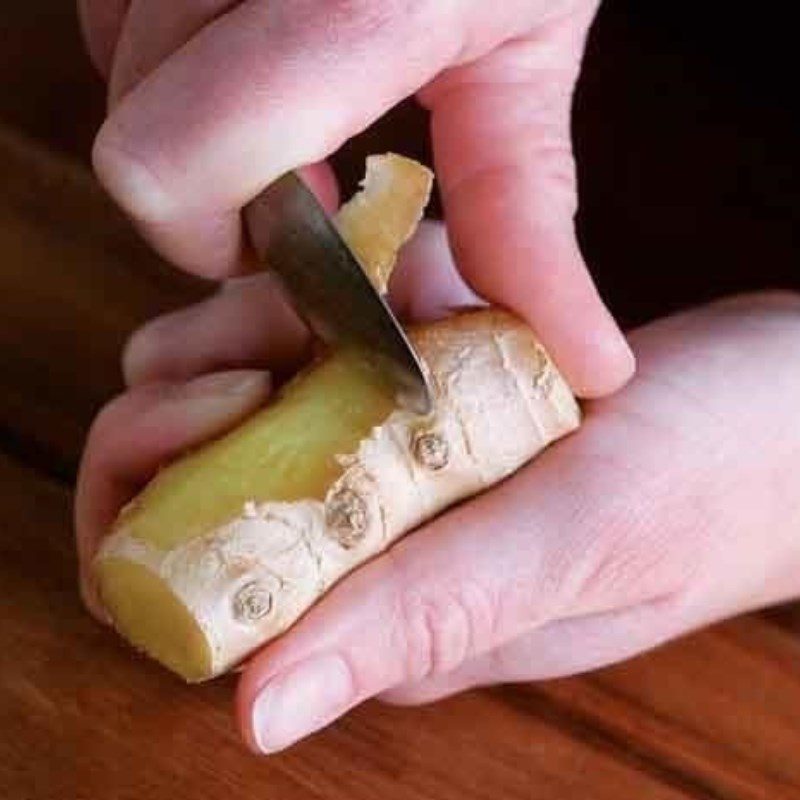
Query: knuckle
[369, 15]
[442, 627]
[358, 20]
[634, 530]
[635, 550]
[634, 569]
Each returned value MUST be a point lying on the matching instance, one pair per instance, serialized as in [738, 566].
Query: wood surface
[714, 715]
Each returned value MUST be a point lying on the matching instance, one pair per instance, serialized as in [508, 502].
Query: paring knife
[294, 238]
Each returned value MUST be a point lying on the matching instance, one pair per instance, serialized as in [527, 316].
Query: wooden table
[716, 715]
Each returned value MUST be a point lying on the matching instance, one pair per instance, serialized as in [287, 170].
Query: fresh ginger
[230, 545]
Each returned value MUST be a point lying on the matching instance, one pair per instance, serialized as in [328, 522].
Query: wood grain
[722, 707]
[74, 282]
[89, 720]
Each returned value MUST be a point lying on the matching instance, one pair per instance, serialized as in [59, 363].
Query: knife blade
[295, 239]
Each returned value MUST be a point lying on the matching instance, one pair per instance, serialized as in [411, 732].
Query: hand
[675, 505]
[211, 100]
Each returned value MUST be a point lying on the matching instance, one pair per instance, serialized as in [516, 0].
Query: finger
[426, 285]
[140, 431]
[502, 141]
[559, 649]
[193, 240]
[153, 30]
[101, 23]
[321, 179]
[248, 324]
[263, 89]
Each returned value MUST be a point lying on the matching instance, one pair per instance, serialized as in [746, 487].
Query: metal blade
[294, 238]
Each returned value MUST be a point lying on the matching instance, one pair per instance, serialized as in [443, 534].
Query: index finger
[260, 91]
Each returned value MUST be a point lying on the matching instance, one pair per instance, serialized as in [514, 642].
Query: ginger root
[231, 544]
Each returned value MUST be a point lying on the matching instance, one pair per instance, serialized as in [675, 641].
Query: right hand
[211, 100]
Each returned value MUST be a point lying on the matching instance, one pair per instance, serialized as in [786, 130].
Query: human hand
[211, 100]
[675, 505]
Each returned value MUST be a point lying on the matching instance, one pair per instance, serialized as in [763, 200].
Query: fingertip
[257, 673]
[584, 341]
[210, 405]
[201, 240]
[538, 272]
[128, 179]
[605, 365]
[426, 285]
[208, 244]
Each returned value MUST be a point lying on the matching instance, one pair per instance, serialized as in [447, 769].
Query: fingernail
[301, 701]
[140, 352]
[235, 383]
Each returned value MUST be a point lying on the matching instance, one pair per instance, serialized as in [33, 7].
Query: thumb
[649, 505]
[508, 562]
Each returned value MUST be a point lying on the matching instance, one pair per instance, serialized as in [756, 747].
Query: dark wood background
[686, 127]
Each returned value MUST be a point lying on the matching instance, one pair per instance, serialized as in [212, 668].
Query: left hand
[676, 504]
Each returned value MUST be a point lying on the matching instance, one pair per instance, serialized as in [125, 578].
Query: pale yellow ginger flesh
[154, 618]
[230, 545]
[382, 217]
[285, 452]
